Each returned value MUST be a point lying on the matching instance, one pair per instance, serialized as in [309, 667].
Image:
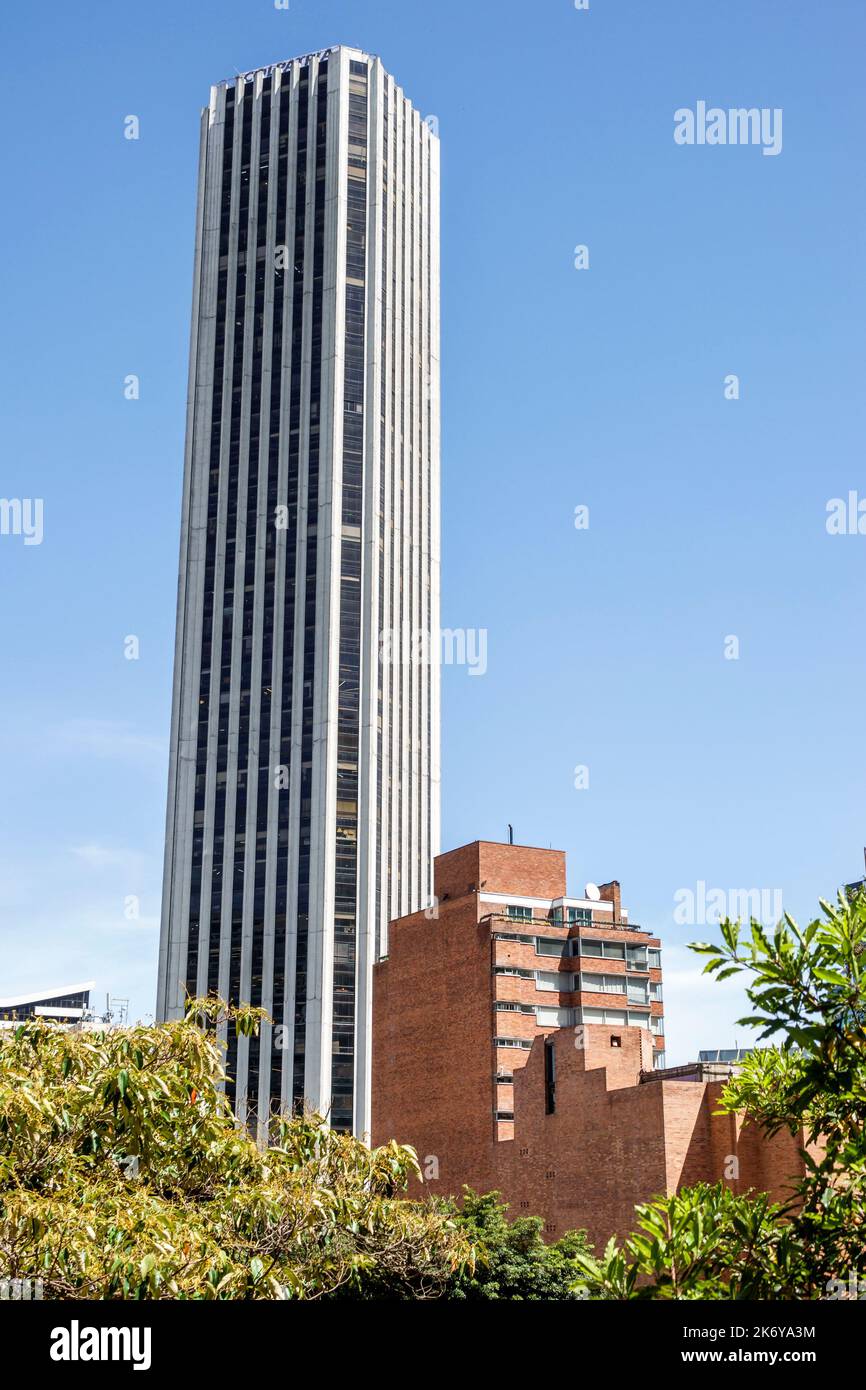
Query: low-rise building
[68, 1006]
[518, 1045]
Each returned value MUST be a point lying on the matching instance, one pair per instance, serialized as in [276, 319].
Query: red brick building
[518, 1044]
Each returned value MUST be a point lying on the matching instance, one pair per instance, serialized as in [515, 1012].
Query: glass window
[602, 984]
[610, 950]
[554, 980]
[617, 1016]
[549, 946]
[554, 1018]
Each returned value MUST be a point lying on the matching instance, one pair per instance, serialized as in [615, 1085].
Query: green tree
[123, 1174]
[808, 993]
[512, 1260]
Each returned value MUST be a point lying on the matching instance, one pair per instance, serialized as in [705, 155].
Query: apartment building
[518, 1045]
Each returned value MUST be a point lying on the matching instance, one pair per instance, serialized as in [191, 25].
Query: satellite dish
[592, 892]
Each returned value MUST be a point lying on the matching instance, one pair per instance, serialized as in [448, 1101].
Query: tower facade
[303, 802]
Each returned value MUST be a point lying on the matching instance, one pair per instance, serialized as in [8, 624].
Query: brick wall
[494, 868]
[432, 1046]
[611, 1140]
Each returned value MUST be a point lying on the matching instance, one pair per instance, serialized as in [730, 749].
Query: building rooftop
[302, 58]
[724, 1054]
[691, 1071]
[40, 996]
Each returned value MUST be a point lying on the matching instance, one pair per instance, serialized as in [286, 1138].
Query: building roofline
[284, 63]
[35, 997]
[500, 844]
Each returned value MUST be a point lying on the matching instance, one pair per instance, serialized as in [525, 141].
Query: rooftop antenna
[119, 1008]
[511, 836]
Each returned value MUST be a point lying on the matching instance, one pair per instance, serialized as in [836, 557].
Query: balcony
[537, 920]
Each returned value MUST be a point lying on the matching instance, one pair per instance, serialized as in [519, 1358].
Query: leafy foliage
[512, 1260]
[808, 992]
[703, 1243]
[123, 1174]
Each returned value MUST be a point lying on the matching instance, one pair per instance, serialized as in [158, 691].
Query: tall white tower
[303, 802]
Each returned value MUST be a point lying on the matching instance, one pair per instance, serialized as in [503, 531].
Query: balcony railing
[538, 921]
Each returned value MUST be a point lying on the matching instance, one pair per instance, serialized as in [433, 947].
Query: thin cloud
[115, 741]
[103, 857]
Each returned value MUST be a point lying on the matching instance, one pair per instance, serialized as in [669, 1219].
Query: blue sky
[602, 387]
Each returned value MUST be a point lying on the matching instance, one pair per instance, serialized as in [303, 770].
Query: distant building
[518, 1045]
[69, 1004]
[732, 1055]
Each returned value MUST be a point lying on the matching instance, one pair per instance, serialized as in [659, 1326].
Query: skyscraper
[303, 802]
